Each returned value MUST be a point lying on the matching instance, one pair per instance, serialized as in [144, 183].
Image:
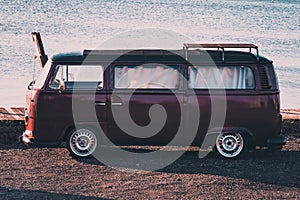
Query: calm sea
[72, 25]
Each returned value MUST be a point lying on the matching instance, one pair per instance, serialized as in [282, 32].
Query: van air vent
[263, 75]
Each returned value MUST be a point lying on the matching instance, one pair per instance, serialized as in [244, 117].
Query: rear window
[146, 77]
[222, 77]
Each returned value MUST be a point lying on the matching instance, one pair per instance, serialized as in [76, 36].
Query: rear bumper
[277, 141]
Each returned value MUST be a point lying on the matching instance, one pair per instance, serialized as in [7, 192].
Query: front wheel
[82, 142]
[229, 145]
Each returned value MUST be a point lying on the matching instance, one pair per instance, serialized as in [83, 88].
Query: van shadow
[10, 193]
[279, 168]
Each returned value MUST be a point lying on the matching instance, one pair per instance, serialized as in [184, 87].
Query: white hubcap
[83, 142]
[229, 145]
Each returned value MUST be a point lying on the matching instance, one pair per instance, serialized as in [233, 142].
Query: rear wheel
[229, 145]
[82, 142]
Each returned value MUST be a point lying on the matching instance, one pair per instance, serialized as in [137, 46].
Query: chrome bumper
[26, 137]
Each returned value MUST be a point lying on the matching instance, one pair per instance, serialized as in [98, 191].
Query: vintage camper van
[180, 81]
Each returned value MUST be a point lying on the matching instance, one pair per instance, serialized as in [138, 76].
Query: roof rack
[187, 46]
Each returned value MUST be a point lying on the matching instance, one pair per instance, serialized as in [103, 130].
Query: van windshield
[39, 83]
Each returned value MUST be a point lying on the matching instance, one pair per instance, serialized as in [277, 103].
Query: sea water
[73, 25]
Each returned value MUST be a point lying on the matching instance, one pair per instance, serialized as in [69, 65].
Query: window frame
[176, 66]
[227, 89]
[66, 65]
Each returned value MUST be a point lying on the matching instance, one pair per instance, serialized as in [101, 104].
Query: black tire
[82, 142]
[230, 145]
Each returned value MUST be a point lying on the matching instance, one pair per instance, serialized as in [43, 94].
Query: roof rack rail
[222, 46]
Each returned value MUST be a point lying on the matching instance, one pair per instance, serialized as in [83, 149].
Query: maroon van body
[252, 112]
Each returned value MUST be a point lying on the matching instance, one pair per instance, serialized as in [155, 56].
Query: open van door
[39, 48]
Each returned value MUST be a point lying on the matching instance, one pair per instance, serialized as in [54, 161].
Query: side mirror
[29, 87]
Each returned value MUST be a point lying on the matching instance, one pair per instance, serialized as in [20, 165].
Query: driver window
[78, 77]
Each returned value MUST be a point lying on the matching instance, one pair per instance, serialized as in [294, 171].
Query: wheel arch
[212, 134]
[72, 127]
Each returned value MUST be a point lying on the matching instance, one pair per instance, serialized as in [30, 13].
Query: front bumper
[26, 137]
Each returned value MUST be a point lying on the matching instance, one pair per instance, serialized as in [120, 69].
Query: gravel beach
[50, 173]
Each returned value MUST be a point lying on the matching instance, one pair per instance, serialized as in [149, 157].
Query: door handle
[116, 103]
[116, 100]
[100, 103]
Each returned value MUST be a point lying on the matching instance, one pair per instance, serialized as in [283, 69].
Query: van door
[144, 104]
[72, 97]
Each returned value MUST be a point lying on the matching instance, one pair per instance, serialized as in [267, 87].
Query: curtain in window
[231, 77]
[144, 76]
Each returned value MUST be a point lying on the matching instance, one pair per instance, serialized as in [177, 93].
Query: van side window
[223, 77]
[146, 76]
[78, 76]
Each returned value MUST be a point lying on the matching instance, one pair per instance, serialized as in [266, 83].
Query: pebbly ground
[50, 173]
